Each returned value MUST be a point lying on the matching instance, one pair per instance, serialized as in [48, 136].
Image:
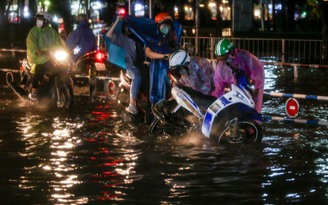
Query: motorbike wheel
[154, 125]
[63, 96]
[235, 131]
[168, 119]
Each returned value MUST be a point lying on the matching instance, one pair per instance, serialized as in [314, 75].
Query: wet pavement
[95, 154]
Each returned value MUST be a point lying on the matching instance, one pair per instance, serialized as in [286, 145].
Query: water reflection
[95, 154]
[49, 144]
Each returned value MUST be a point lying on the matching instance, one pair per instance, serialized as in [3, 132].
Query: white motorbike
[229, 118]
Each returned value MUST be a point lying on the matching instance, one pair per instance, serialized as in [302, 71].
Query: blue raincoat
[147, 31]
[116, 54]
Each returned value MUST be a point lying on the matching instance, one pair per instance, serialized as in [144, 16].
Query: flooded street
[94, 154]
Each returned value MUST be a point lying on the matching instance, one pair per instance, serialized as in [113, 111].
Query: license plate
[100, 66]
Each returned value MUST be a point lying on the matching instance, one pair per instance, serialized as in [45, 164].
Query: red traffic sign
[292, 107]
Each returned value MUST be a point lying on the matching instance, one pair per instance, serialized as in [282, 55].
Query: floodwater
[94, 154]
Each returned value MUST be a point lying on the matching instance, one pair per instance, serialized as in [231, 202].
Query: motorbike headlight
[61, 55]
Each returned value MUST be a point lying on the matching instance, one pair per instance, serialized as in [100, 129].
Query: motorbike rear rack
[107, 91]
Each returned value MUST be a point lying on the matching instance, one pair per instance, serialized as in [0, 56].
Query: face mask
[164, 29]
[39, 23]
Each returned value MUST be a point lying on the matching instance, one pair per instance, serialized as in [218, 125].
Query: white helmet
[43, 14]
[178, 58]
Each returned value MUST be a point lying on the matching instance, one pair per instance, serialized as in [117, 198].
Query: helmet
[223, 47]
[162, 17]
[178, 58]
[43, 14]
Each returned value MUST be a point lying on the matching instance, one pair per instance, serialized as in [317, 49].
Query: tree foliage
[315, 9]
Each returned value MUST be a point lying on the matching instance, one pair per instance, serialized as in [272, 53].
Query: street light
[213, 9]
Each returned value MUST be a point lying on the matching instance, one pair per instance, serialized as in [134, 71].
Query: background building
[199, 17]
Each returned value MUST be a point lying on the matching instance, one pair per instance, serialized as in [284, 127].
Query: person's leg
[135, 75]
[136, 82]
[40, 71]
[155, 86]
[38, 75]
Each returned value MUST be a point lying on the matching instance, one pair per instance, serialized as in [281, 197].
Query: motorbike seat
[202, 100]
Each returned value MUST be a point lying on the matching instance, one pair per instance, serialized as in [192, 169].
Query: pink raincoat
[200, 75]
[253, 68]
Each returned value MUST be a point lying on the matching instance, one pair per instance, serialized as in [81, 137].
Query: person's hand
[119, 17]
[38, 52]
[41, 52]
[166, 56]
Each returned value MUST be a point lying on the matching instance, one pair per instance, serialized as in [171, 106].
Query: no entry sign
[292, 107]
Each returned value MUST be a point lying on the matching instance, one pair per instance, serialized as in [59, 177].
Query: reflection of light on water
[112, 170]
[322, 169]
[270, 77]
[43, 135]
[195, 138]
[62, 144]
[322, 162]
[284, 161]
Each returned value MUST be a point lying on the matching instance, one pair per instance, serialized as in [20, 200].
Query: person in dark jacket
[82, 39]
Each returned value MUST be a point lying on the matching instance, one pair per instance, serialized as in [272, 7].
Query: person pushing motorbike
[41, 39]
[230, 59]
[195, 72]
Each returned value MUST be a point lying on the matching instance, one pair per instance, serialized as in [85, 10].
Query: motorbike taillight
[100, 56]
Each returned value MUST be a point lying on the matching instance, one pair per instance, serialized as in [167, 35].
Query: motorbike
[95, 77]
[230, 118]
[55, 86]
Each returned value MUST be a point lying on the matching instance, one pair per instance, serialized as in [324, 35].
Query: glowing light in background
[139, 9]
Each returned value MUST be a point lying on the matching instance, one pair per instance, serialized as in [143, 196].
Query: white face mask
[39, 23]
[164, 29]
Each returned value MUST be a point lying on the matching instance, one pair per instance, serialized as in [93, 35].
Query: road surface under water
[94, 154]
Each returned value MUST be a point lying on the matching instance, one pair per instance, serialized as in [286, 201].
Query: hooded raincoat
[199, 76]
[82, 40]
[253, 69]
[42, 39]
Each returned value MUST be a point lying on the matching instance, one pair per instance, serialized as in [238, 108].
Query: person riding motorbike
[82, 39]
[195, 72]
[41, 39]
[230, 59]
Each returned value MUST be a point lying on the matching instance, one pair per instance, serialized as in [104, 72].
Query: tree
[320, 11]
